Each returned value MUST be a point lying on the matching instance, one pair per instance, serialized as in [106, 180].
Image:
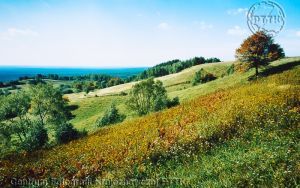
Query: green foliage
[173, 102]
[65, 89]
[47, 103]
[26, 116]
[4, 92]
[65, 133]
[197, 78]
[13, 115]
[36, 139]
[148, 96]
[111, 116]
[89, 86]
[230, 70]
[202, 77]
[174, 66]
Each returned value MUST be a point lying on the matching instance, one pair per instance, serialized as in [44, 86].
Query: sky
[129, 33]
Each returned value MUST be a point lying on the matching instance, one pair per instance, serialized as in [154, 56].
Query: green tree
[148, 96]
[48, 105]
[14, 114]
[258, 50]
[38, 137]
[26, 116]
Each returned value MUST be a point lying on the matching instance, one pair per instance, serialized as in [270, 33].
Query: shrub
[230, 70]
[202, 77]
[111, 116]
[173, 102]
[36, 139]
[67, 91]
[207, 78]
[4, 92]
[196, 79]
[65, 133]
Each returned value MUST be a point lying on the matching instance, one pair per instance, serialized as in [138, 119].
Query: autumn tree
[258, 50]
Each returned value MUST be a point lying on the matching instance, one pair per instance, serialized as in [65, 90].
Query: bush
[65, 133]
[172, 103]
[202, 77]
[208, 77]
[197, 78]
[4, 92]
[36, 139]
[147, 96]
[67, 91]
[111, 116]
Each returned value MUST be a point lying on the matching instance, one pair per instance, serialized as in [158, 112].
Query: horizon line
[72, 67]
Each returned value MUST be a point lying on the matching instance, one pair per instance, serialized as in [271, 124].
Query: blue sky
[129, 33]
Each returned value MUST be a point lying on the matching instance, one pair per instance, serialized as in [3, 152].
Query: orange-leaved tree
[259, 50]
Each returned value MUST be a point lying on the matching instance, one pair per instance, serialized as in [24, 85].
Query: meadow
[92, 106]
[228, 132]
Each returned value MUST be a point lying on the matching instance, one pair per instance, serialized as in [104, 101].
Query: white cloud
[237, 31]
[11, 33]
[298, 33]
[203, 25]
[163, 26]
[237, 11]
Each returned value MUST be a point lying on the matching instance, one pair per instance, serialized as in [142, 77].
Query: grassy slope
[267, 156]
[90, 108]
[208, 127]
[169, 81]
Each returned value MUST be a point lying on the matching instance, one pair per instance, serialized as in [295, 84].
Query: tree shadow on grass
[275, 70]
[72, 107]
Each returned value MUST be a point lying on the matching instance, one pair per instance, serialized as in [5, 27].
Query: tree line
[171, 67]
